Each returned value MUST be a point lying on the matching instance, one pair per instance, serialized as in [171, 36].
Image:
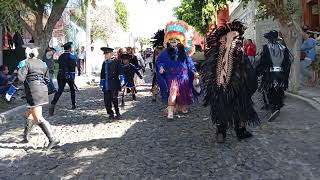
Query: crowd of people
[227, 80]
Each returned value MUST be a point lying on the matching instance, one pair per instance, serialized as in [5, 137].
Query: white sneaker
[8, 97]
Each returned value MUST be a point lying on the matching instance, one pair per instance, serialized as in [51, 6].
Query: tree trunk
[1, 47]
[42, 34]
[293, 38]
[88, 40]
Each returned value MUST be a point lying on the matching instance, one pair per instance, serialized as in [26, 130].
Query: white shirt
[82, 55]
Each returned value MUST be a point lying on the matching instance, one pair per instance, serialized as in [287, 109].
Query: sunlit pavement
[143, 145]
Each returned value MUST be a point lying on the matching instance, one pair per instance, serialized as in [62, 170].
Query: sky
[146, 18]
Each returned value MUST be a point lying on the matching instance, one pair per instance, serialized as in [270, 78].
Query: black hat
[272, 35]
[106, 49]
[50, 49]
[126, 56]
[67, 45]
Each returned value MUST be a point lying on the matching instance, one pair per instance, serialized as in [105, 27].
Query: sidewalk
[310, 95]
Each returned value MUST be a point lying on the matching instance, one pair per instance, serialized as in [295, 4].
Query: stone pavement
[143, 145]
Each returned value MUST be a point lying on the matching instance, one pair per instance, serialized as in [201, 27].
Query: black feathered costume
[228, 79]
[274, 68]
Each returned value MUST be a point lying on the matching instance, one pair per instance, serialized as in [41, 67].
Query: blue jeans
[306, 73]
[4, 89]
[50, 85]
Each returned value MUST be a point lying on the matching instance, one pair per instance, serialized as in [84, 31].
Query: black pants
[275, 97]
[111, 97]
[61, 84]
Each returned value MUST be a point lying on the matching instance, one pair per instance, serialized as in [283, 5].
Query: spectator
[48, 59]
[308, 53]
[250, 50]
[6, 80]
[81, 61]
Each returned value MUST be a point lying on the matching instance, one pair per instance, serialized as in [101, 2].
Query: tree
[38, 17]
[199, 14]
[285, 13]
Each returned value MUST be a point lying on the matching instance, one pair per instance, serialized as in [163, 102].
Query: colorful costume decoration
[182, 31]
[175, 68]
[274, 67]
[229, 81]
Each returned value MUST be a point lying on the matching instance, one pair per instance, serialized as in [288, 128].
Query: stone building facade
[255, 28]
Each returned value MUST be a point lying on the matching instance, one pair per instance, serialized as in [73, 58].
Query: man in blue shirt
[308, 47]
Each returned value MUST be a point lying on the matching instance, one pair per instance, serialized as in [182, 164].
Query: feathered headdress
[158, 38]
[182, 31]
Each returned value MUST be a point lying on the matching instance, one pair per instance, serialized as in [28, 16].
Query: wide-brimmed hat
[272, 35]
[107, 50]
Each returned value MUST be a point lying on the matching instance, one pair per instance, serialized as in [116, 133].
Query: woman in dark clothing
[35, 75]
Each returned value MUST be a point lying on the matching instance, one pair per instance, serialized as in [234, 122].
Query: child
[6, 82]
[129, 70]
[110, 82]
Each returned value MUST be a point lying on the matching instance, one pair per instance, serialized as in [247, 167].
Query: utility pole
[88, 40]
[1, 47]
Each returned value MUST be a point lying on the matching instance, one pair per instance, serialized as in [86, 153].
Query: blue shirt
[309, 47]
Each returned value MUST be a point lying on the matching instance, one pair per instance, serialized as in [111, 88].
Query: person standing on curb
[35, 75]
[48, 59]
[110, 82]
[66, 74]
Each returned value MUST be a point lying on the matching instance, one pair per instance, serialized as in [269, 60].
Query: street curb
[310, 101]
[11, 113]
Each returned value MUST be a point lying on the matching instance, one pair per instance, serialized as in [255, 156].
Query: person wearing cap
[35, 75]
[67, 70]
[274, 68]
[48, 59]
[129, 71]
[110, 82]
[308, 49]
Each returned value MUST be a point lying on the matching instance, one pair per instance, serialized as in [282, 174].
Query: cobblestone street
[143, 145]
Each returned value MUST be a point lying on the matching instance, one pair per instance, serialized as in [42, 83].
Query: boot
[74, 106]
[275, 112]
[51, 109]
[27, 129]
[134, 97]
[221, 134]
[242, 133]
[45, 127]
[170, 112]
[118, 116]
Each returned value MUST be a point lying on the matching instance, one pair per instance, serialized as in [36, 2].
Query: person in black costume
[229, 81]
[35, 75]
[110, 82]
[67, 70]
[274, 67]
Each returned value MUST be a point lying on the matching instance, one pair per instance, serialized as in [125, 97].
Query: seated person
[6, 80]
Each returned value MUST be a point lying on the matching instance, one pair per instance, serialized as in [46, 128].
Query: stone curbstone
[11, 113]
[315, 104]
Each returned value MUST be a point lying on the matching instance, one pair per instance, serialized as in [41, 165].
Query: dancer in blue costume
[175, 69]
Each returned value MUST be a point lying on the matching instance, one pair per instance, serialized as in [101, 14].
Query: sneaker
[53, 144]
[274, 115]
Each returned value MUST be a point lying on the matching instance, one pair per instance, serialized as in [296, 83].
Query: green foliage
[198, 13]
[8, 14]
[121, 14]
